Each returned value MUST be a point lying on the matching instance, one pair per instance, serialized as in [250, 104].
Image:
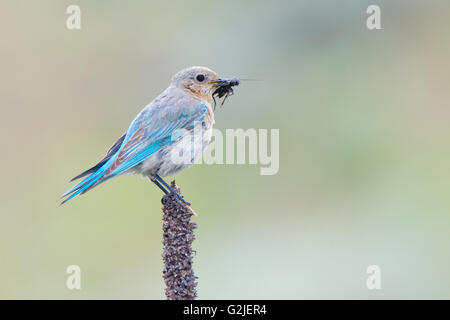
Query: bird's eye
[200, 78]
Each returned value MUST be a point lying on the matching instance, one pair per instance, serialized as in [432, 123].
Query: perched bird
[164, 128]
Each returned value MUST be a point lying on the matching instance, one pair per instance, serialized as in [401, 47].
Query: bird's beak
[223, 88]
[225, 82]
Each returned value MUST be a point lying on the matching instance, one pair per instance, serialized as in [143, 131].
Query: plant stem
[178, 234]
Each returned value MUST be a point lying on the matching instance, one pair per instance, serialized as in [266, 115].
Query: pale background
[364, 148]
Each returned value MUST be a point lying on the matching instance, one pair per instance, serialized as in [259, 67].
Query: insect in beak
[224, 89]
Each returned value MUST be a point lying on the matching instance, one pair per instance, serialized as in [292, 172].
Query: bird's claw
[181, 199]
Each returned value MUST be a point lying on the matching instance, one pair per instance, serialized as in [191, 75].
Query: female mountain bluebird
[163, 128]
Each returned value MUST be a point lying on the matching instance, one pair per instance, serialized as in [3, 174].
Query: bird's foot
[181, 199]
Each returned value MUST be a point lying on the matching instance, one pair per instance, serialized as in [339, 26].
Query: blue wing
[151, 130]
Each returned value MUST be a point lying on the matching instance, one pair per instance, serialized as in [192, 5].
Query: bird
[161, 134]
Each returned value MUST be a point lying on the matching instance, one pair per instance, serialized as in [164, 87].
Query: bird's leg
[152, 179]
[167, 186]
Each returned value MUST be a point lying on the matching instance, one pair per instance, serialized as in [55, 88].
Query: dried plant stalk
[178, 234]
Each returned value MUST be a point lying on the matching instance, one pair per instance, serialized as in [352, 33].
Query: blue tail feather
[86, 183]
[98, 176]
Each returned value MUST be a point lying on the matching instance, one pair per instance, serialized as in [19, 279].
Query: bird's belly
[178, 155]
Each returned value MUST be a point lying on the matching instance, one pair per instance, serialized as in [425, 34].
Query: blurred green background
[364, 148]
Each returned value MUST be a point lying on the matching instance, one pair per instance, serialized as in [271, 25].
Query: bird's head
[203, 83]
